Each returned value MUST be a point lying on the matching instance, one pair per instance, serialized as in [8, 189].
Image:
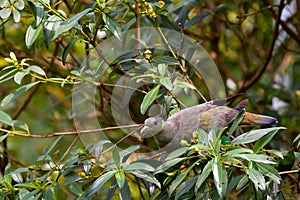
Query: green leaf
[166, 165]
[2, 137]
[77, 17]
[257, 158]
[70, 23]
[234, 152]
[127, 152]
[185, 187]
[67, 50]
[203, 135]
[98, 183]
[236, 122]
[5, 118]
[120, 177]
[32, 34]
[254, 135]
[180, 178]
[296, 138]
[53, 144]
[220, 176]
[20, 124]
[177, 181]
[139, 166]
[17, 177]
[183, 84]
[270, 171]
[112, 25]
[166, 82]
[125, 192]
[37, 70]
[147, 177]
[149, 98]
[116, 156]
[259, 144]
[177, 153]
[15, 94]
[20, 75]
[162, 69]
[204, 174]
[242, 183]
[38, 11]
[257, 179]
[76, 189]
[51, 26]
[5, 77]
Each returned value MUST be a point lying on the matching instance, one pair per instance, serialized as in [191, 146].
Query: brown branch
[290, 172]
[256, 77]
[138, 26]
[74, 132]
[26, 102]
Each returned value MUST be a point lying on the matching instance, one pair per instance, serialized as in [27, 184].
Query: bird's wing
[193, 110]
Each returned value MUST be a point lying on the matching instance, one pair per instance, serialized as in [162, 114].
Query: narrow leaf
[183, 84]
[166, 82]
[5, 118]
[116, 156]
[139, 166]
[20, 75]
[70, 23]
[163, 167]
[270, 171]
[220, 177]
[180, 178]
[112, 25]
[204, 174]
[98, 183]
[120, 177]
[149, 98]
[53, 144]
[185, 187]
[147, 177]
[257, 178]
[32, 34]
[37, 70]
[234, 152]
[257, 158]
[177, 181]
[67, 50]
[242, 183]
[259, 144]
[254, 135]
[2, 137]
[236, 122]
[15, 94]
[177, 153]
[125, 193]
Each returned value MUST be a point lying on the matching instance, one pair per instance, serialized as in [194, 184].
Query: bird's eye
[155, 122]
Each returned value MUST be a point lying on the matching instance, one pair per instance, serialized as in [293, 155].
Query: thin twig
[121, 140]
[290, 172]
[73, 132]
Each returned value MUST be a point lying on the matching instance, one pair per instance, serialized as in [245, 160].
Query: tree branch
[256, 77]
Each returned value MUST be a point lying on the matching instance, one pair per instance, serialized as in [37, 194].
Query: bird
[182, 124]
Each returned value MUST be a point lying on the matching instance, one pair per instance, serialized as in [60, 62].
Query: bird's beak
[250, 118]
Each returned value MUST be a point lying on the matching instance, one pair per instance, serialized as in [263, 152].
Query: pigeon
[182, 124]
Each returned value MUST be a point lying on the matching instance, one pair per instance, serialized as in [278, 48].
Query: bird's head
[152, 126]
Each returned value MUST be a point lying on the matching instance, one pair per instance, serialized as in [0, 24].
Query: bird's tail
[250, 118]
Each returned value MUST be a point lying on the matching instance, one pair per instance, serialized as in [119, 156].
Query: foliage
[51, 48]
